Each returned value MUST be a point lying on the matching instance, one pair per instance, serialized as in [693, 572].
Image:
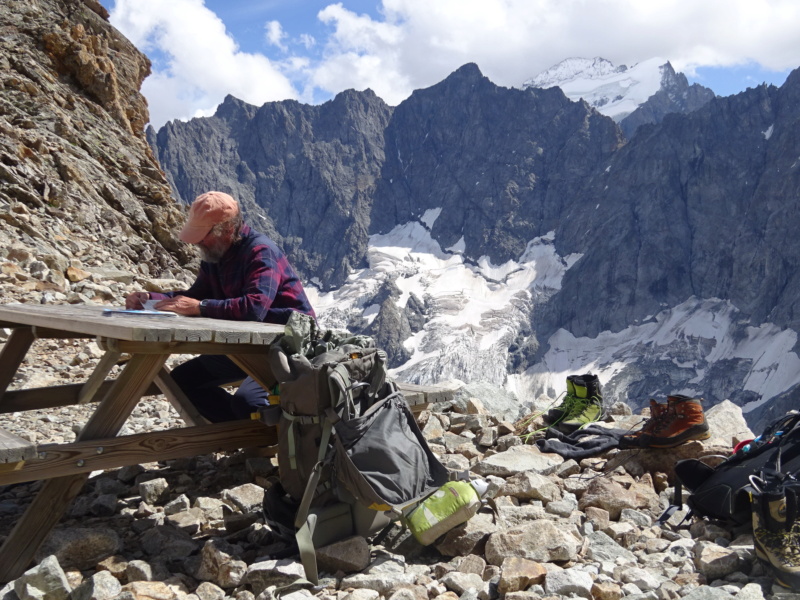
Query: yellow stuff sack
[452, 504]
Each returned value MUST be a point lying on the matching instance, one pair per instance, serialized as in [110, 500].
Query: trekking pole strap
[305, 544]
[308, 496]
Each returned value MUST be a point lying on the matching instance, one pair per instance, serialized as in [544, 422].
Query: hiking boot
[578, 386]
[584, 411]
[587, 407]
[659, 413]
[684, 421]
[776, 533]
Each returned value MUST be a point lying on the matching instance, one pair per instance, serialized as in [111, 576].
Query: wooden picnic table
[149, 341]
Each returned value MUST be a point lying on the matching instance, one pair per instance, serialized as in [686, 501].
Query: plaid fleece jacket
[252, 282]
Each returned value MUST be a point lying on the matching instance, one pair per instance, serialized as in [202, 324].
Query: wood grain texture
[56, 494]
[90, 320]
[57, 460]
[98, 377]
[12, 355]
[15, 449]
[257, 367]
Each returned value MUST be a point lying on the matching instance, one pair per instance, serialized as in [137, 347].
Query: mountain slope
[502, 233]
[79, 185]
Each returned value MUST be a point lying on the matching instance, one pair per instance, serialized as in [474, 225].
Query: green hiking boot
[578, 386]
[776, 533]
[554, 415]
[584, 411]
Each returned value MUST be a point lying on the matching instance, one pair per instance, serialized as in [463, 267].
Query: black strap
[677, 504]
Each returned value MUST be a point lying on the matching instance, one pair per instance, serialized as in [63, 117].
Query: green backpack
[351, 457]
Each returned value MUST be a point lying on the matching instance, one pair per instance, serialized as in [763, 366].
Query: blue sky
[309, 50]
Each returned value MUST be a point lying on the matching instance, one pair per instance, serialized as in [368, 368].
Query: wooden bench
[421, 397]
[14, 451]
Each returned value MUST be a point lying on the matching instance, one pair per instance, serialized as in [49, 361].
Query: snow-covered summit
[615, 91]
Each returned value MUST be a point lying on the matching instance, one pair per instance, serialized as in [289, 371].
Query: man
[244, 277]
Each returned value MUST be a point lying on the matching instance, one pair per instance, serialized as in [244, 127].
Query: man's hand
[135, 300]
[183, 305]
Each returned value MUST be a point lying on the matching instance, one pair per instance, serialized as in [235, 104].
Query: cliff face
[503, 165]
[79, 185]
[306, 175]
[702, 205]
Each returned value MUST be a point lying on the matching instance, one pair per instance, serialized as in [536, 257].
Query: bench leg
[12, 355]
[56, 494]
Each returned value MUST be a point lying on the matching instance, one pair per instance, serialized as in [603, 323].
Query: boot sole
[783, 578]
[678, 440]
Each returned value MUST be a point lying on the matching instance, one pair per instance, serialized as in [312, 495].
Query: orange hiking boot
[658, 414]
[684, 421]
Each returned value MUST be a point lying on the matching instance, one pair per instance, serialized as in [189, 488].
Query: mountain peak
[572, 68]
[615, 91]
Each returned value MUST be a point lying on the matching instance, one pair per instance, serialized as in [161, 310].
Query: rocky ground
[193, 529]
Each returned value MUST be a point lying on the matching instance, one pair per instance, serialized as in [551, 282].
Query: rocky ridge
[79, 187]
[193, 529]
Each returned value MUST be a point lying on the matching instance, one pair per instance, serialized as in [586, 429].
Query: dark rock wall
[701, 205]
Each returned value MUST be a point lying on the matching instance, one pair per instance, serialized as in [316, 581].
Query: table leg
[56, 494]
[98, 376]
[12, 355]
[178, 399]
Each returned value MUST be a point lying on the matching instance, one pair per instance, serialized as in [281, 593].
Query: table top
[91, 320]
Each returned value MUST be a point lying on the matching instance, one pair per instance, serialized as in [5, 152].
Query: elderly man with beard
[243, 277]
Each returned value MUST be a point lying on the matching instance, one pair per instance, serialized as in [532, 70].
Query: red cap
[207, 210]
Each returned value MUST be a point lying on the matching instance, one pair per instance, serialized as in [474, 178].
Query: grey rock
[541, 541]
[362, 594]
[208, 591]
[348, 556]
[45, 581]
[104, 505]
[191, 521]
[383, 575]
[726, 422]
[139, 570]
[706, 592]
[714, 561]
[461, 582]
[517, 460]
[604, 548]
[80, 547]
[247, 497]
[467, 538]
[100, 586]
[177, 505]
[263, 574]
[644, 580]
[219, 564]
[212, 507]
[531, 486]
[154, 491]
[566, 582]
[168, 543]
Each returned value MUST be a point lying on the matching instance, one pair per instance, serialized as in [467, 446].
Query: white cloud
[203, 62]
[419, 42]
[416, 43]
[275, 35]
